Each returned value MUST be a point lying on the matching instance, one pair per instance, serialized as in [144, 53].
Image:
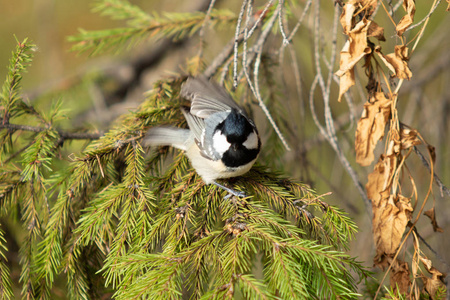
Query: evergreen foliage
[142, 26]
[130, 223]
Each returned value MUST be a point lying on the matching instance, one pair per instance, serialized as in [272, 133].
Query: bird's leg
[230, 191]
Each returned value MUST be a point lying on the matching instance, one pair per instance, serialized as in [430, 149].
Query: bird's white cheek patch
[220, 142]
[251, 142]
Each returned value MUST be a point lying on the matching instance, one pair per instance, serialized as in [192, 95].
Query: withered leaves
[356, 46]
[431, 285]
[409, 137]
[432, 215]
[391, 214]
[376, 31]
[397, 62]
[407, 20]
[371, 126]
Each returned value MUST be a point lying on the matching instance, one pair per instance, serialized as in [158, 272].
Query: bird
[222, 140]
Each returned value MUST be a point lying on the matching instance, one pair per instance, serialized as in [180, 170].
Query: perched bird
[221, 142]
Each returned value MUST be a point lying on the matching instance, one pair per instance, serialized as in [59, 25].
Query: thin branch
[438, 181]
[255, 88]
[280, 22]
[65, 135]
[425, 18]
[236, 43]
[330, 132]
[202, 30]
[300, 20]
[261, 16]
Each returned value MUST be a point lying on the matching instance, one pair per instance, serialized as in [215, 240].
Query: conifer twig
[63, 134]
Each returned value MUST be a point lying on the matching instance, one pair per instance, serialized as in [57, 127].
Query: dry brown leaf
[390, 218]
[370, 128]
[379, 180]
[346, 17]
[400, 279]
[348, 76]
[353, 51]
[376, 31]
[431, 285]
[370, 6]
[407, 20]
[432, 152]
[397, 62]
[432, 215]
[409, 137]
[391, 213]
[448, 6]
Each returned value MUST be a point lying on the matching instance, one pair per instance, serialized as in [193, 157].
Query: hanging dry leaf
[407, 20]
[379, 180]
[432, 215]
[370, 128]
[369, 6]
[390, 218]
[376, 31]
[400, 279]
[431, 285]
[391, 213]
[352, 52]
[409, 137]
[399, 274]
[348, 76]
[397, 62]
[346, 17]
[448, 6]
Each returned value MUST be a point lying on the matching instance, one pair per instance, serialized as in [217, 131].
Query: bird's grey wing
[207, 97]
[203, 131]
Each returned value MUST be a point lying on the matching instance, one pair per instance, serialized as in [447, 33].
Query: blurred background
[98, 89]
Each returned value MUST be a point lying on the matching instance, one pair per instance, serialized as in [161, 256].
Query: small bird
[221, 142]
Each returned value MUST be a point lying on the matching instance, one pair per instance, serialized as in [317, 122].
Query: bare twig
[436, 4]
[236, 43]
[202, 30]
[280, 22]
[330, 132]
[438, 181]
[255, 88]
[300, 20]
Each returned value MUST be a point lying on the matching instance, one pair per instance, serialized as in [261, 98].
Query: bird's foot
[230, 191]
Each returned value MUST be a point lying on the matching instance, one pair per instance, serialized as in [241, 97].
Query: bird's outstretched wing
[207, 97]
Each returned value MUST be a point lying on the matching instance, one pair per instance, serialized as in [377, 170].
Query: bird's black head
[242, 136]
[236, 127]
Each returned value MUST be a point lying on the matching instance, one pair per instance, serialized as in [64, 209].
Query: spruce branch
[171, 25]
[5, 277]
[10, 94]
[63, 134]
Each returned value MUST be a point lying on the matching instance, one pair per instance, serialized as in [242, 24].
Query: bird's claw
[230, 191]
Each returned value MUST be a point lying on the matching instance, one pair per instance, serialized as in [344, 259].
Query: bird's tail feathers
[167, 136]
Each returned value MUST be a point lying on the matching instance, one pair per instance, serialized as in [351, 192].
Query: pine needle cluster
[121, 221]
[132, 223]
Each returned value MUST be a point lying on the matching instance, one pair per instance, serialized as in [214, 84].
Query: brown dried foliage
[392, 210]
